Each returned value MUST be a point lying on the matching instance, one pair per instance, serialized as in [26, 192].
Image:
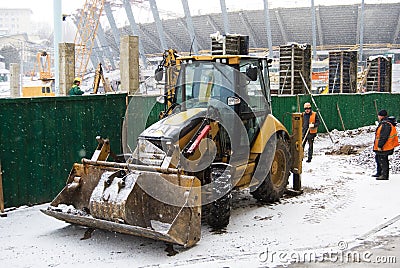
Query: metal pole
[334, 78]
[135, 30]
[57, 21]
[376, 107]
[21, 68]
[340, 116]
[268, 24]
[284, 80]
[157, 20]
[190, 26]
[225, 16]
[104, 44]
[292, 72]
[113, 24]
[314, 31]
[305, 136]
[298, 102]
[361, 31]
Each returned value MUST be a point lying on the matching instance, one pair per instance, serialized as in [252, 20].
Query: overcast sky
[43, 9]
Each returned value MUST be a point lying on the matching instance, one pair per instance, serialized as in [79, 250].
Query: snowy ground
[342, 207]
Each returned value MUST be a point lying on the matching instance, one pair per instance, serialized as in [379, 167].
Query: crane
[87, 25]
[86, 34]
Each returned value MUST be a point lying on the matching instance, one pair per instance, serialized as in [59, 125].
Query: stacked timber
[230, 44]
[379, 76]
[294, 69]
[343, 72]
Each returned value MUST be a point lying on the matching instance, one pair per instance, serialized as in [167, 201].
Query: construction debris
[345, 150]
[354, 142]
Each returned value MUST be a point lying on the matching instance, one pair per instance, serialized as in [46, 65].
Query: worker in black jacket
[386, 140]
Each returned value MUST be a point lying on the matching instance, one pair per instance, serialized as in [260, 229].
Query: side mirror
[158, 74]
[251, 73]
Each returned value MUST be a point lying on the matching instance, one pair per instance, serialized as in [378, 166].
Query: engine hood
[175, 125]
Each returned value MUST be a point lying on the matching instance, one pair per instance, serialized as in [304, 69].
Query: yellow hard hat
[78, 79]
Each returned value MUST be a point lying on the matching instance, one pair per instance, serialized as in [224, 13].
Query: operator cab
[229, 84]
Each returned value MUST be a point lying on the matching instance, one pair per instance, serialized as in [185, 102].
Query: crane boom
[86, 34]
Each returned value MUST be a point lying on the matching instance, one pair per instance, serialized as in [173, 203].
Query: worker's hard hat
[307, 105]
[77, 79]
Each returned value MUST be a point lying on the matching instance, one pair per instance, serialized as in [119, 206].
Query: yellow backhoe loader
[217, 135]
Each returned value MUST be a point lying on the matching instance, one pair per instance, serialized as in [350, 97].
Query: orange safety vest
[312, 121]
[393, 140]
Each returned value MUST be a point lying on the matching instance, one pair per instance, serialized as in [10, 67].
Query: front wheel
[220, 209]
[276, 178]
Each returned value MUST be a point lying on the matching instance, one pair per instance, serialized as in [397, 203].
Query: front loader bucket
[137, 202]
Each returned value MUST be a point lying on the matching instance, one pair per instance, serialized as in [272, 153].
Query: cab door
[251, 90]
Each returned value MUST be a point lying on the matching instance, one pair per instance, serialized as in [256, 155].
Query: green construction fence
[338, 111]
[41, 138]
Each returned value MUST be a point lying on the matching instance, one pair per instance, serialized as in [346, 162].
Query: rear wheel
[220, 210]
[277, 177]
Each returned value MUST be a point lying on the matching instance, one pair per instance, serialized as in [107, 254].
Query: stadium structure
[336, 27]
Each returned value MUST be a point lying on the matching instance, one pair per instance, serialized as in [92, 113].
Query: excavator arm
[171, 68]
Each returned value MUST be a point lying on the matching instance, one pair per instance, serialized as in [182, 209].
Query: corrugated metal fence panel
[155, 110]
[356, 109]
[142, 112]
[327, 106]
[40, 139]
[282, 107]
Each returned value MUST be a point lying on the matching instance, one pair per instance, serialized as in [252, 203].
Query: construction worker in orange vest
[386, 140]
[310, 128]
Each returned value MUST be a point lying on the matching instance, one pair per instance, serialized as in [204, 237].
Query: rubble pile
[345, 150]
[367, 159]
[347, 142]
[358, 143]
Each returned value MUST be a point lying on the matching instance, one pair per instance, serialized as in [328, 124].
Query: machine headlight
[233, 101]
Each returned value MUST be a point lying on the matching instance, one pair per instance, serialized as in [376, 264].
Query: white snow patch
[161, 227]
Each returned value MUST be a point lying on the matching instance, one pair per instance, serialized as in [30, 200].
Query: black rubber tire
[277, 177]
[219, 211]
